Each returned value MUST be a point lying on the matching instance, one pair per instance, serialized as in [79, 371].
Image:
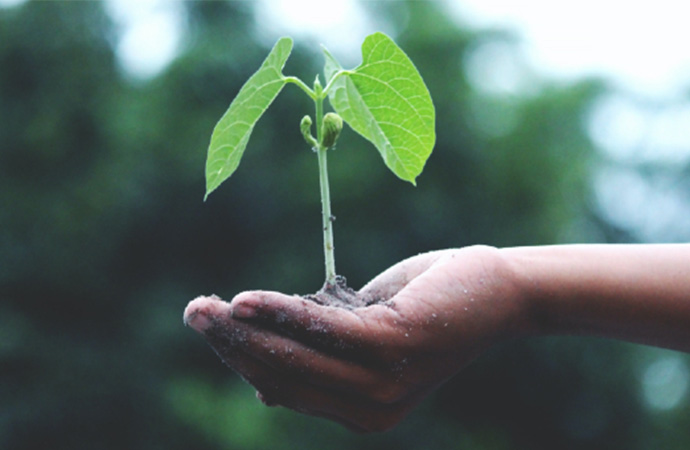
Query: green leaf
[231, 134]
[386, 101]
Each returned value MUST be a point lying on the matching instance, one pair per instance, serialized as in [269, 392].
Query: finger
[308, 382]
[311, 365]
[202, 312]
[245, 349]
[358, 413]
[212, 318]
[328, 328]
[388, 283]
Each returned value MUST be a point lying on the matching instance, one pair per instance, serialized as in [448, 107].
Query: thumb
[391, 281]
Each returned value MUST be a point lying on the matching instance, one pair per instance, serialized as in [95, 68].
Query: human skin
[367, 368]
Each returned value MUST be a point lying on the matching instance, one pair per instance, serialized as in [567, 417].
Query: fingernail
[199, 312]
[197, 320]
[243, 312]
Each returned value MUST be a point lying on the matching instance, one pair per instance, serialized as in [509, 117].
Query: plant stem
[332, 81]
[328, 247]
[301, 85]
[327, 218]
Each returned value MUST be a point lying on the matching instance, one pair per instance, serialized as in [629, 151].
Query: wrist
[503, 282]
[522, 275]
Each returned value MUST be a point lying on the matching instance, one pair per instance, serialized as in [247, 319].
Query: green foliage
[103, 241]
[231, 134]
[386, 101]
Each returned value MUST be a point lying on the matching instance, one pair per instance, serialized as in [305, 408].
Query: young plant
[384, 99]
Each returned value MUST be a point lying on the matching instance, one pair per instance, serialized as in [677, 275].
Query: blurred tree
[104, 237]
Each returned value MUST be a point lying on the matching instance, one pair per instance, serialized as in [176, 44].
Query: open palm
[367, 367]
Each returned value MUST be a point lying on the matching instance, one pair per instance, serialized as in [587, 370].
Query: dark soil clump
[340, 295]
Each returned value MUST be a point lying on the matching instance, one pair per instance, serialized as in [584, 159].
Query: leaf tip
[326, 52]
[285, 39]
[208, 192]
[412, 180]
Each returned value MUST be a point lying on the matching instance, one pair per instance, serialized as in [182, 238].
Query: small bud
[305, 127]
[332, 126]
[318, 89]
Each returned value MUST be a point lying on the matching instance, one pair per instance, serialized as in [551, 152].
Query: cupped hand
[367, 367]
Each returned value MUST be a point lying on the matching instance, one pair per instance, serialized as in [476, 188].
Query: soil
[341, 295]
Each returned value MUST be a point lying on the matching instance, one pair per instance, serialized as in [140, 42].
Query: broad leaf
[231, 134]
[386, 101]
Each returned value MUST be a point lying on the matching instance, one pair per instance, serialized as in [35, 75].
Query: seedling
[384, 99]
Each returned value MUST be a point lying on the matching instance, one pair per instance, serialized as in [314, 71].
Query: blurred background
[556, 124]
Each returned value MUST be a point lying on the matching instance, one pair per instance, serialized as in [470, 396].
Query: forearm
[637, 293]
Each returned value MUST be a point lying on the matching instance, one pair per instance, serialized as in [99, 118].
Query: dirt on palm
[341, 295]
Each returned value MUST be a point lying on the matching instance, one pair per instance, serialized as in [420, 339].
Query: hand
[366, 368]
